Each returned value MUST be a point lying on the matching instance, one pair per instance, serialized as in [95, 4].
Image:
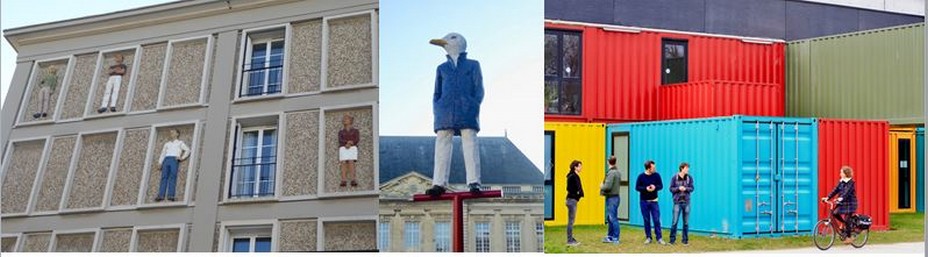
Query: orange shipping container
[902, 170]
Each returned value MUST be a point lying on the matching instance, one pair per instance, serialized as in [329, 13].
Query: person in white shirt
[172, 152]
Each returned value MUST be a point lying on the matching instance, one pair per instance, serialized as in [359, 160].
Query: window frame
[686, 59]
[244, 57]
[239, 149]
[540, 236]
[559, 78]
[278, 119]
[442, 236]
[482, 236]
[228, 233]
[383, 236]
[406, 236]
[513, 236]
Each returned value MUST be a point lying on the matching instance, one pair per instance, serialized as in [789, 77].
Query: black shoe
[171, 199]
[101, 110]
[474, 188]
[158, 199]
[44, 115]
[112, 109]
[435, 191]
[36, 116]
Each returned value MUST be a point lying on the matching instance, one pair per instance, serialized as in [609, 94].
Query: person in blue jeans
[647, 185]
[681, 186]
[172, 152]
[610, 189]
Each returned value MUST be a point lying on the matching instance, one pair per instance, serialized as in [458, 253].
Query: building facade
[513, 223]
[257, 90]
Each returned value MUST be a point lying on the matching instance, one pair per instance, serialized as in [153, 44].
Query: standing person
[348, 139]
[456, 108]
[574, 193]
[681, 186]
[172, 152]
[846, 202]
[648, 184]
[610, 189]
[111, 93]
[47, 87]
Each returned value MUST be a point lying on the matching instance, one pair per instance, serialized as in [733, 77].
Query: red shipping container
[711, 98]
[863, 145]
[621, 71]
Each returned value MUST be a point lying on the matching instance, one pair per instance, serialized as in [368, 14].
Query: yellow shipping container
[584, 142]
[902, 170]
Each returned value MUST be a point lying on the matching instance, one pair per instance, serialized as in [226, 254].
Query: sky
[19, 13]
[504, 36]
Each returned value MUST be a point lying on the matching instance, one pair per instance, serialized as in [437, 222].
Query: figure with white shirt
[172, 152]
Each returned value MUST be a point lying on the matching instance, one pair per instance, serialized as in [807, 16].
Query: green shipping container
[876, 74]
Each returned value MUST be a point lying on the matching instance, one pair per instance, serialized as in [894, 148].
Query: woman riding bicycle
[846, 201]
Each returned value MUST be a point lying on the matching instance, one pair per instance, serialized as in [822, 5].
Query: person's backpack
[861, 221]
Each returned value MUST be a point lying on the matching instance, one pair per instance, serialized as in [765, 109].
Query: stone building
[258, 90]
[513, 223]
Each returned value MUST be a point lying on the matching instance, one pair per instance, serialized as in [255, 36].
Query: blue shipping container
[920, 170]
[753, 176]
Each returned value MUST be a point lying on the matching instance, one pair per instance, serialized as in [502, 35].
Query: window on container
[250, 239]
[482, 232]
[563, 66]
[674, 61]
[254, 161]
[383, 236]
[263, 62]
[411, 237]
[549, 177]
[443, 236]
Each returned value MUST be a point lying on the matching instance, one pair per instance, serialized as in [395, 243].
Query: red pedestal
[457, 214]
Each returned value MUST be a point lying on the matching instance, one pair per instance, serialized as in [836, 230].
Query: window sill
[349, 87]
[34, 123]
[249, 200]
[103, 115]
[180, 107]
[162, 205]
[82, 210]
[325, 195]
[246, 99]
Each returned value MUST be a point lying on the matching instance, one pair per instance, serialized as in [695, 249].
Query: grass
[904, 227]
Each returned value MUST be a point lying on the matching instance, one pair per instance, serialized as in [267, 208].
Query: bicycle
[825, 231]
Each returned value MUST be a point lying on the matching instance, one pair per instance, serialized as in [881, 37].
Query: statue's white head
[453, 43]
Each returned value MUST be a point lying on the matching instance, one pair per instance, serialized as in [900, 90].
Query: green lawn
[903, 228]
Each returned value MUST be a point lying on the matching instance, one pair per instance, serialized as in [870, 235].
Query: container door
[620, 151]
[904, 169]
[549, 175]
[794, 178]
[757, 178]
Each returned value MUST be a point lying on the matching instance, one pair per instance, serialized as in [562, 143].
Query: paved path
[918, 248]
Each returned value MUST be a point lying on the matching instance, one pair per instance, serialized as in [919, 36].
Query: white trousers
[443, 147]
[111, 94]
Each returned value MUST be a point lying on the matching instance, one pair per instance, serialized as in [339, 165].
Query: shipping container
[753, 176]
[568, 142]
[920, 170]
[862, 145]
[902, 166]
[713, 98]
[876, 74]
[606, 73]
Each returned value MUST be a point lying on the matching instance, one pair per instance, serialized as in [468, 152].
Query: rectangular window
[411, 236]
[549, 177]
[513, 237]
[482, 231]
[383, 236]
[540, 236]
[250, 239]
[255, 163]
[674, 61]
[563, 65]
[263, 62]
[443, 236]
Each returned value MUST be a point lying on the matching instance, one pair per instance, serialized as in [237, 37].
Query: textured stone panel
[154, 179]
[34, 100]
[164, 240]
[302, 147]
[297, 236]
[38, 242]
[130, 167]
[185, 73]
[305, 69]
[148, 81]
[82, 242]
[7, 244]
[364, 168]
[56, 174]
[20, 175]
[115, 240]
[350, 236]
[78, 86]
[103, 76]
[349, 50]
[88, 182]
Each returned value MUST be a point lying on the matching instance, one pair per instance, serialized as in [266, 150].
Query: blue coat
[458, 94]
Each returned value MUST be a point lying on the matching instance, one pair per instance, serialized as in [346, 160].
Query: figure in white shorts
[111, 94]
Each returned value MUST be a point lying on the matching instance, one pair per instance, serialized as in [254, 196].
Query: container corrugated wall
[622, 71]
[875, 74]
[754, 176]
[583, 142]
[863, 145]
[712, 98]
[920, 170]
[902, 166]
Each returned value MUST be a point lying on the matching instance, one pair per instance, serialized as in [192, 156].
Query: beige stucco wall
[305, 57]
[78, 87]
[148, 82]
[297, 236]
[20, 175]
[82, 242]
[185, 73]
[56, 174]
[130, 167]
[93, 167]
[349, 51]
[301, 154]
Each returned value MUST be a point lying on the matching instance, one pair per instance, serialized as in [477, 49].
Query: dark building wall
[780, 19]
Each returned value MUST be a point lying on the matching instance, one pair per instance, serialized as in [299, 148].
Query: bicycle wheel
[824, 235]
[861, 239]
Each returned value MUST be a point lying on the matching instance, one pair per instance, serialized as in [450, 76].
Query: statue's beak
[438, 42]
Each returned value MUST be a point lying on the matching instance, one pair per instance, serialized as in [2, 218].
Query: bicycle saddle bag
[861, 221]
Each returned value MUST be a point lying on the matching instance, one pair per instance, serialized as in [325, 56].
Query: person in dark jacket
[574, 193]
[456, 107]
[681, 186]
[610, 190]
[846, 200]
[648, 184]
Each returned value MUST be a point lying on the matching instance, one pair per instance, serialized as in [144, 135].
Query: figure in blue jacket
[456, 106]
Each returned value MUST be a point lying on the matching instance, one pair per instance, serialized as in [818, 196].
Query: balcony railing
[262, 81]
[253, 177]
